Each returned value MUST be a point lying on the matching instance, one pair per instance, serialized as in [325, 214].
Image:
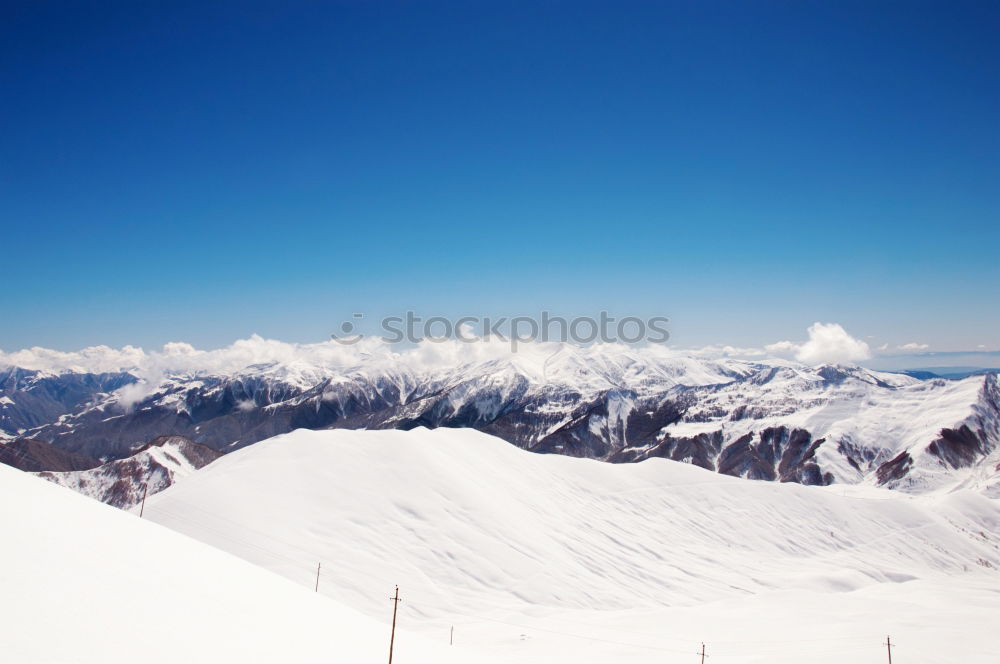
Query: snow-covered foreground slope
[545, 558]
[85, 582]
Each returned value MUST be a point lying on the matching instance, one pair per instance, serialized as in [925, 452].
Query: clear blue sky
[201, 171]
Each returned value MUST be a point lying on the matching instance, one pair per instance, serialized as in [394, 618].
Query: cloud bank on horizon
[826, 343]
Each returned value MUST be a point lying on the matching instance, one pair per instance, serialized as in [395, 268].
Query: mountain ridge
[766, 419]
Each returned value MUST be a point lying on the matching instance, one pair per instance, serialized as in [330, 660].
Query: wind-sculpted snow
[531, 555]
[89, 584]
[767, 420]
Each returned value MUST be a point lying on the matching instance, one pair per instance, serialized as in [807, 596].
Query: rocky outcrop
[153, 468]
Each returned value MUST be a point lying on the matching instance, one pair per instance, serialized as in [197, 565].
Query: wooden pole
[702, 653]
[142, 508]
[318, 566]
[888, 648]
[451, 637]
[392, 637]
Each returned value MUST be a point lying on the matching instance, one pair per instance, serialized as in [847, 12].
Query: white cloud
[828, 343]
[914, 346]
[176, 357]
[782, 348]
[884, 347]
[726, 351]
[129, 395]
[95, 359]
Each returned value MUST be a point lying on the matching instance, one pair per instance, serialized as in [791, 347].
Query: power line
[395, 607]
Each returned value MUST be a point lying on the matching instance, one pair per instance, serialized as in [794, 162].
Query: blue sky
[203, 171]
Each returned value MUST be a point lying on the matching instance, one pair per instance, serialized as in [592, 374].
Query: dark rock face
[645, 423]
[578, 438]
[34, 456]
[894, 469]
[860, 457]
[739, 458]
[776, 453]
[960, 447]
[798, 460]
[700, 450]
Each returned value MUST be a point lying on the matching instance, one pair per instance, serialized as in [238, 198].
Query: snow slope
[549, 558]
[85, 582]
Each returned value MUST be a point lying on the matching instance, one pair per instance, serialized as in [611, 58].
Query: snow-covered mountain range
[760, 419]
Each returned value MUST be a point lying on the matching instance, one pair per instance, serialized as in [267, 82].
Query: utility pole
[142, 508]
[703, 653]
[318, 566]
[451, 638]
[392, 638]
[888, 648]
